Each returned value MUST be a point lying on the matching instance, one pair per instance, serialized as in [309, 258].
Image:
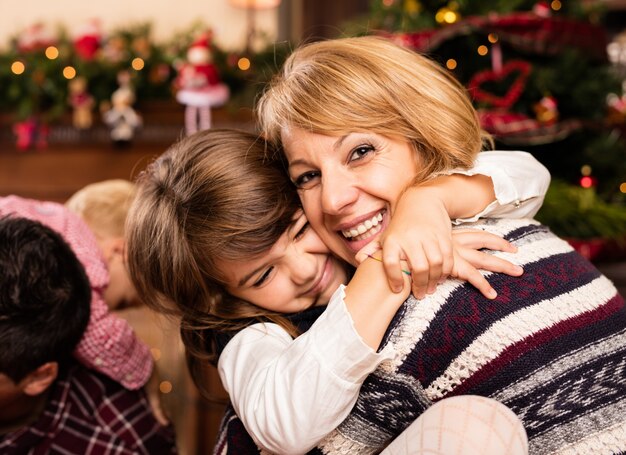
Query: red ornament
[542, 9]
[588, 181]
[88, 39]
[506, 101]
[547, 110]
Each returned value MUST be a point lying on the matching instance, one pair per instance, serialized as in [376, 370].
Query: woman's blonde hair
[213, 195]
[371, 84]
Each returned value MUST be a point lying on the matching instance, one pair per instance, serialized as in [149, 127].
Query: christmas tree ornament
[82, 103]
[25, 133]
[88, 39]
[517, 68]
[546, 110]
[616, 107]
[36, 37]
[542, 9]
[199, 86]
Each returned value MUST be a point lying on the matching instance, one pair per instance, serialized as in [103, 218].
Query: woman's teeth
[365, 229]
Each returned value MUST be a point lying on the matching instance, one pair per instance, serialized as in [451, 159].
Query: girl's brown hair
[218, 194]
[372, 84]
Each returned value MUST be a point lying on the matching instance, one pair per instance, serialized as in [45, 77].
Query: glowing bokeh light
[138, 64]
[69, 72]
[52, 52]
[17, 67]
[243, 64]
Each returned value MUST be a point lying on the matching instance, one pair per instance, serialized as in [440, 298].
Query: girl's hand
[468, 258]
[420, 233]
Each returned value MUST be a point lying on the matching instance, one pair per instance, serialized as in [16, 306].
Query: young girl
[216, 236]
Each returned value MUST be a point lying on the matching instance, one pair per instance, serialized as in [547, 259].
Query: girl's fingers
[480, 239]
[489, 262]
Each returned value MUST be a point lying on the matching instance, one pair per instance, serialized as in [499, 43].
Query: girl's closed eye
[258, 283]
[301, 231]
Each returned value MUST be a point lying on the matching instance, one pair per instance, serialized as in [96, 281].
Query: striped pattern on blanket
[552, 347]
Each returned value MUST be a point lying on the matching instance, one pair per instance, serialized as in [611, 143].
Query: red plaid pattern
[88, 413]
[109, 344]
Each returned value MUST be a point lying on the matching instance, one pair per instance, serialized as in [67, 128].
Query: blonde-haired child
[104, 207]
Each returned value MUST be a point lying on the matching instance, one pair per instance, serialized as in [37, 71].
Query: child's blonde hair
[213, 195]
[104, 205]
[372, 84]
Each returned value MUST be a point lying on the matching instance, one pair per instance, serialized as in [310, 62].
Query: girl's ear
[39, 380]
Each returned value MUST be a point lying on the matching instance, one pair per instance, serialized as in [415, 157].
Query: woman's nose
[338, 192]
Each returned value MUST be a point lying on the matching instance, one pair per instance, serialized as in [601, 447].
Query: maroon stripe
[537, 339]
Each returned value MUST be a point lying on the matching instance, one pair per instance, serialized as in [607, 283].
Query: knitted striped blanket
[552, 347]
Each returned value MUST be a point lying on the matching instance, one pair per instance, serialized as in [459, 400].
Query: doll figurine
[121, 117]
[82, 103]
[199, 86]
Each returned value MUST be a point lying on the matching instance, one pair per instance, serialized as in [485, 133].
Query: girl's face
[297, 273]
[349, 185]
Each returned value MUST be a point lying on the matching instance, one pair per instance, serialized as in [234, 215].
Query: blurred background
[88, 92]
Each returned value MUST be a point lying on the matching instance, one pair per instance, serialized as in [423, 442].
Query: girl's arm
[291, 393]
[502, 184]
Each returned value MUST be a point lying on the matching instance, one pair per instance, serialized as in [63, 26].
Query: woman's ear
[39, 380]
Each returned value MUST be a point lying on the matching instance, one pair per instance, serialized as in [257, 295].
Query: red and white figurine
[199, 86]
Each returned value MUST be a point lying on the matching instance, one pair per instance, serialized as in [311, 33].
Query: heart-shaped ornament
[518, 67]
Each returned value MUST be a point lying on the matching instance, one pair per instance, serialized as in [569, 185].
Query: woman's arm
[291, 393]
[502, 184]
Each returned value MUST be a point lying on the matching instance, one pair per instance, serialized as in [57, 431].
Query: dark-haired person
[50, 403]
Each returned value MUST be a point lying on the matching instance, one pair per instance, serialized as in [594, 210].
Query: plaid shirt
[88, 413]
[109, 344]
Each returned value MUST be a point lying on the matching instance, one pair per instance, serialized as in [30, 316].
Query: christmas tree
[542, 82]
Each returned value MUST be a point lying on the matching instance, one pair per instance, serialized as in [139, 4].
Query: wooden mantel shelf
[74, 159]
[56, 173]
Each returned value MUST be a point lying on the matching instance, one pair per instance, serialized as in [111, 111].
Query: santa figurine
[199, 86]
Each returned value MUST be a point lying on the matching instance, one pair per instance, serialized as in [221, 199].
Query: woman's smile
[349, 184]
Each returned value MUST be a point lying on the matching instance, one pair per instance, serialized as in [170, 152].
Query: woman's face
[298, 272]
[349, 184]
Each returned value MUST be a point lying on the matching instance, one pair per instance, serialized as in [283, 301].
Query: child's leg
[468, 425]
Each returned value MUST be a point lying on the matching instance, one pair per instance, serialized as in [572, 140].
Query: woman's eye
[302, 231]
[305, 179]
[360, 151]
[263, 278]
